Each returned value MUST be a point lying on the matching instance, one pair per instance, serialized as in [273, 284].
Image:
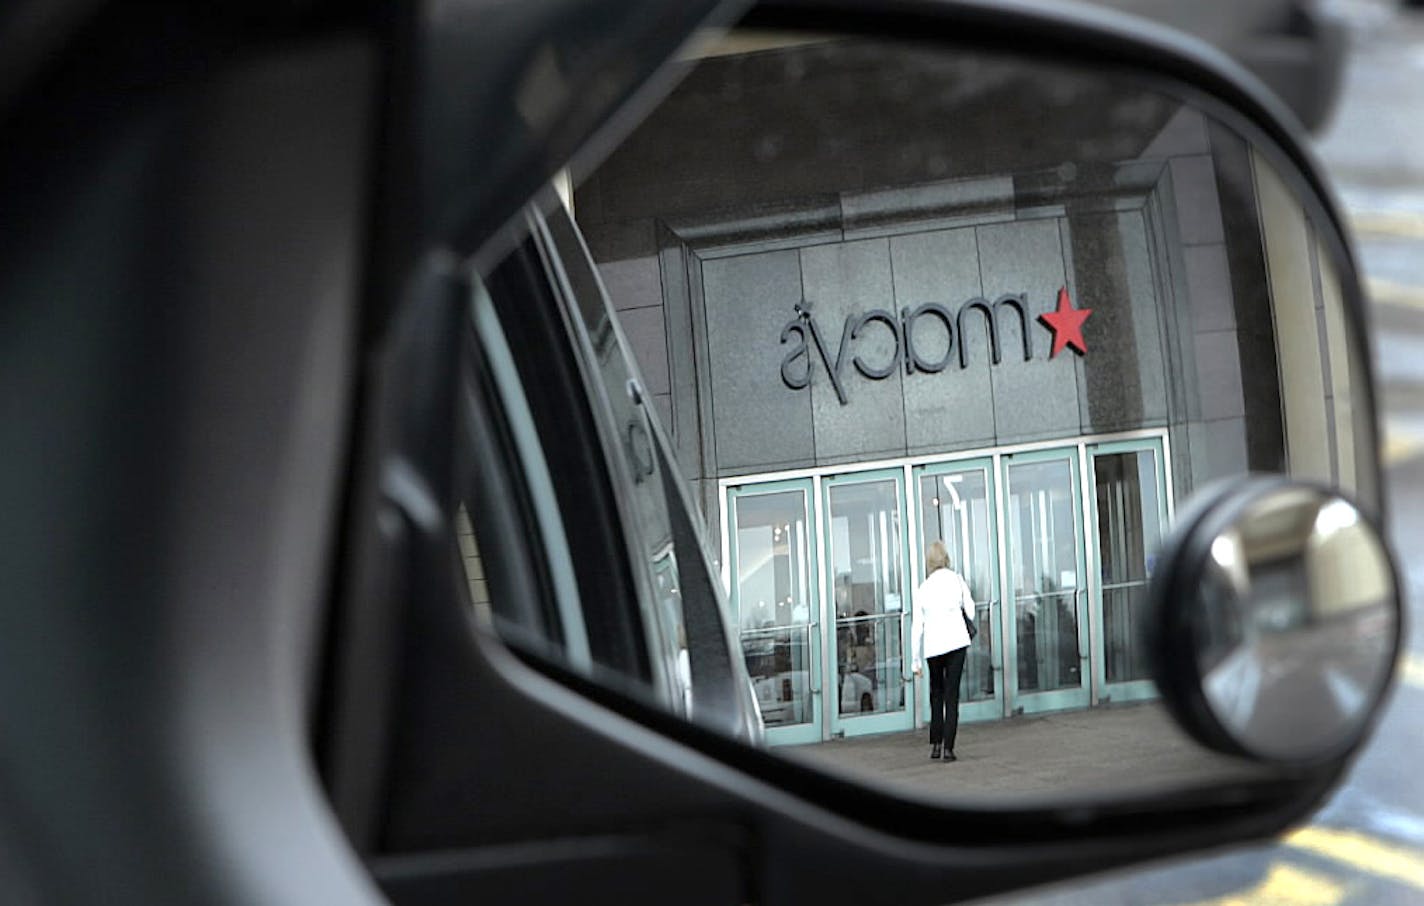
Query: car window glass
[495, 423]
[620, 391]
[473, 566]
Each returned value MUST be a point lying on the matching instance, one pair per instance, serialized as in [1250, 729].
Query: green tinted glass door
[1129, 516]
[1047, 646]
[772, 559]
[867, 570]
[956, 504]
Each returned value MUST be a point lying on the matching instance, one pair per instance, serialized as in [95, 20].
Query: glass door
[1129, 515]
[772, 559]
[957, 505]
[1044, 581]
[866, 568]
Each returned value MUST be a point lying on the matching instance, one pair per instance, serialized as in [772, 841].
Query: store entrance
[1044, 582]
[1014, 531]
[866, 567]
[958, 504]
[1056, 544]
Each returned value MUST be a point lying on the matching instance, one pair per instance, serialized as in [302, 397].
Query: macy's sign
[805, 336]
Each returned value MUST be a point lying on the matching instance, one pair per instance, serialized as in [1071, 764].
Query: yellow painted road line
[1400, 446]
[1363, 853]
[1394, 224]
[1286, 885]
[1411, 670]
[1401, 442]
[1392, 292]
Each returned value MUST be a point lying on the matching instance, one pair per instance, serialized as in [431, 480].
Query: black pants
[944, 696]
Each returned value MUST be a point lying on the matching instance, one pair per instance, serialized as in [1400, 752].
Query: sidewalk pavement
[1110, 750]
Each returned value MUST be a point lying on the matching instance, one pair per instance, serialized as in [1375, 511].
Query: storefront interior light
[949, 484]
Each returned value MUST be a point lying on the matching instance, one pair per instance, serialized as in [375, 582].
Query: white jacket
[936, 626]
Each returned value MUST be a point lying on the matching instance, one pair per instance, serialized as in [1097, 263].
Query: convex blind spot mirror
[882, 298]
[1276, 621]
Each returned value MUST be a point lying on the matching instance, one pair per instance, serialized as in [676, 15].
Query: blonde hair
[936, 557]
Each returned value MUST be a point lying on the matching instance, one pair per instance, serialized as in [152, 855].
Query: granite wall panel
[841, 281]
[760, 422]
[952, 409]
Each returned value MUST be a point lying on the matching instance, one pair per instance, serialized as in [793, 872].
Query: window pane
[620, 396]
[1129, 533]
[865, 553]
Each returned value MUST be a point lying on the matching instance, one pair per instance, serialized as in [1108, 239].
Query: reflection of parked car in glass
[774, 650]
[878, 686]
[857, 693]
[869, 680]
[784, 698]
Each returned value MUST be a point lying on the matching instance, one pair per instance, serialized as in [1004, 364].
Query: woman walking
[939, 636]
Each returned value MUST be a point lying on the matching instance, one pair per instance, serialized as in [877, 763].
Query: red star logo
[1066, 322]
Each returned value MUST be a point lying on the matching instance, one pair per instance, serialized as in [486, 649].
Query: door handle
[1082, 630]
[996, 661]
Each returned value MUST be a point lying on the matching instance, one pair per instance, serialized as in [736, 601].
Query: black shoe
[950, 756]
[934, 752]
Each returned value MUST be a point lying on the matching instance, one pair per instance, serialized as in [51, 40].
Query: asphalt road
[1366, 844]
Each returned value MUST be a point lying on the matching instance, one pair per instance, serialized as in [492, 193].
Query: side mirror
[1014, 280]
[1276, 617]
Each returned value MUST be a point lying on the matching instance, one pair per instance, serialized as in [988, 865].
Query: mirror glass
[935, 336]
[1295, 626]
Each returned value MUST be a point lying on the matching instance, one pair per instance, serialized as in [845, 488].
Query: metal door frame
[908, 467]
[812, 730]
[1049, 699]
[880, 722]
[1131, 690]
[996, 707]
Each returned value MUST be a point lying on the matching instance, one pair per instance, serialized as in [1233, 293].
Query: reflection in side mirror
[1277, 623]
[885, 295]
